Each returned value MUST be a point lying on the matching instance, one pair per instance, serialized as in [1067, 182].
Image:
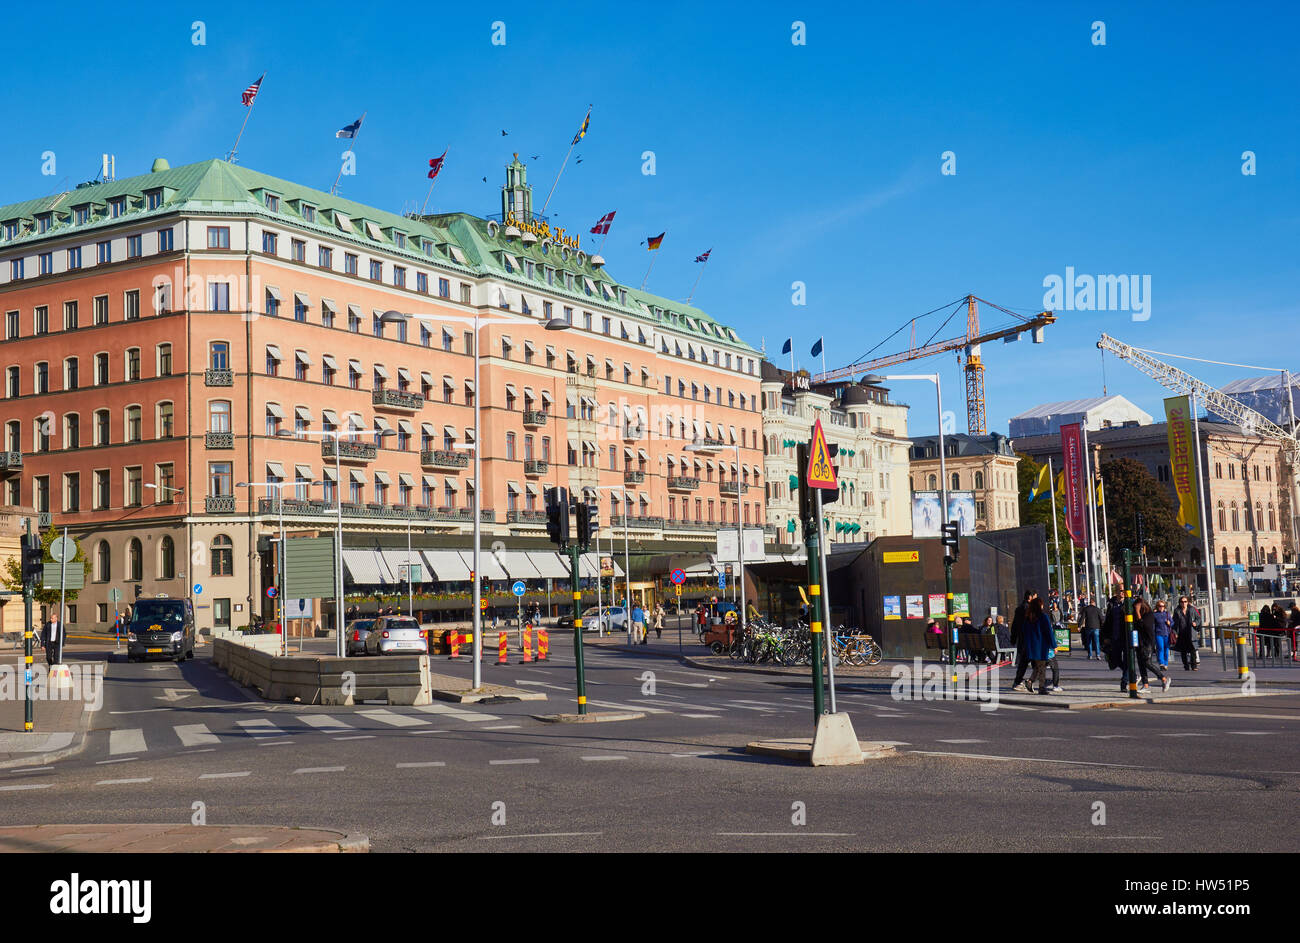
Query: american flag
[435, 165]
[602, 225]
[703, 258]
[251, 92]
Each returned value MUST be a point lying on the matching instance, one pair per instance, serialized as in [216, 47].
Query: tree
[1040, 510]
[1131, 490]
[12, 577]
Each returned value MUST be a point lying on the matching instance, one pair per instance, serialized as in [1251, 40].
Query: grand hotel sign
[543, 230]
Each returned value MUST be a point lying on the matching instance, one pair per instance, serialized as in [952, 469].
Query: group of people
[638, 626]
[1274, 622]
[1034, 637]
[1159, 632]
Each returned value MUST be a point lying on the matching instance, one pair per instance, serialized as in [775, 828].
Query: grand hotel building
[171, 335]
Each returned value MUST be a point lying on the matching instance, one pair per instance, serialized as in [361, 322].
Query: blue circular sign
[198, 589]
[518, 588]
[678, 576]
[272, 592]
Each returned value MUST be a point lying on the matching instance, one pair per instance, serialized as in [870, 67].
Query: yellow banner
[1182, 461]
[902, 556]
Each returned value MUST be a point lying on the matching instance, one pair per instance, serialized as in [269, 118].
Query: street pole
[1056, 537]
[29, 592]
[952, 619]
[1202, 473]
[577, 620]
[63, 588]
[476, 616]
[812, 545]
[600, 577]
[1130, 632]
[740, 564]
[826, 607]
[279, 590]
[410, 588]
[338, 556]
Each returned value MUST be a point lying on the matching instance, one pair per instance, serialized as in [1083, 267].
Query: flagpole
[647, 271]
[432, 182]
[234, 151]
[603, 238]
[351, 147]
[1090, 522]
[697, 281]
[562, 165]
[1056, 537]
[1105, 524]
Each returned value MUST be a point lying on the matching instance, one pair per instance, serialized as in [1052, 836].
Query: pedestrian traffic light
[588, 523]
[557, 516]
[951, 538]
[33, 559]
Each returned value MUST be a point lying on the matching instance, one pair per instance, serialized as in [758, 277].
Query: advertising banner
[961, 508]
[926, 515]
[893, 607]
[1072, 462]
[938, 606]
[915, 607]
[1182, 461]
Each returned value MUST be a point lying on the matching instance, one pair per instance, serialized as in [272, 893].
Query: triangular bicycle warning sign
[821, 474]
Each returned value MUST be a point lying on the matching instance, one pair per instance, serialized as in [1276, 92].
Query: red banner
[1072, 457]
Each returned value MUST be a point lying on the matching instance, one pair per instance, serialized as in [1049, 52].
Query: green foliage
[12, 576]
[1130, 490]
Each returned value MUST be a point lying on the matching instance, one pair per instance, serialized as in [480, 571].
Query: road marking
[272, 743]
[325, 722]
[961, 741]
[625, 707]
[1252, 733]
[1161, 711]
[320, 769]
[123, 782]
[420, 765]
[510, 762]
[1110, 736]
[502, 727]
[541, 684]
[458, 713]
[32, 769]
[540, 835]
[394, 720]
[126, 741]
[362, 736]
[206, 750]
[597, 759]
[702, 707]
[260, 729]
[147, 710]
[1184, 734]
[1026, 759]
[193, 735]
[693, 754]
[893, 743]
[704, 716]
[1036, 738]
[26, 786]
[416, 732]
[801, 834]
[225, 775]
[125, 759]
[749, 707]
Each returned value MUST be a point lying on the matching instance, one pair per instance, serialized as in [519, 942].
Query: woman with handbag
[1186, 634]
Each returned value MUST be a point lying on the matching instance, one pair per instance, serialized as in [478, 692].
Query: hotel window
[219, 416]
[355, 492]
[447, 340]
[270, 241]
[219, 296]
[354, 322]
[299, 307]
[220, 478]
[101, 427]
[117, 206]
[376, 325]
[41, 493]
[219, 355]
[399, 276]
[273, 203]
[70, 373]
[426, 336]
[1232, 472]
[326, 315]
[46, 263]
[15, 268]
[100, 305]
[72, 431]
[12, 381]
[272, 362]
[568, 315]
[133, 424]
[298, 250]
[69, 315]
[378, 378]
[466, 294]
[131, 305]
[349, 263]
[399, 240]
[42, 320]
[586, 321]
[422, 283]
[272, 303]
[300, 362]
[272, 420]
[134, 246]
[101, 499]
[11, 325]
[325, 257]
[81, 214]
[354, 376]
[166, 420]
[327, 372]
[308, 212]
[218, 237]
[376, 270]
[444, 288]
[153, 199]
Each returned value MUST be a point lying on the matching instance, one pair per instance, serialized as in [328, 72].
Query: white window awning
[628, 453]
[514, 263]
[642, 498]
[456, 254]
[591, 361]
[407, 479]
[609, 364]
[590, 401]
[550, 350]
[699, 427]
[357, 476]
[376, 233]
[469, 385]
[301, 298]
[382, 424]
[330, 416]
[404, 425]
[275, 470]
[643, 454]
[530, 347]
[381, 370]
[448, 383]
[330, 361]
[627, 411]
[354, 365]
[672, 460]
[591, 286]
[426, 377]
[342, 222]
[354, 311]
[302, 357]
[708, 429]
[531, 488]
[404, 375]
[452, 483]
[429, 481]
[427, 428]
[355, 422]
[512, 487]
[510, 389]
[449, 430]
[383, 478]
[645, 371]
[549, 564]
[274, 292]
[304, 471]
[273, 409]
[488, 565]
[329, 474]
[546, 397]
[274, 353]
[329, 305]
[303, 412]
[447, 565]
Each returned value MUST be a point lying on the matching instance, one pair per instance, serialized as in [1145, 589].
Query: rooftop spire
[517, 195]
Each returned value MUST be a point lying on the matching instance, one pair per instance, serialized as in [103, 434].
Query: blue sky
[817, 163]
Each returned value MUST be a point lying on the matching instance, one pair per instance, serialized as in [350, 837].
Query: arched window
[1272, 518]
[103, 562]
[1250, 556]
[135, 560]
[166, 420]
[1223, 523]
[1259, 516]
[956, 482]
[1225, 556]
[932, 482]
[979, 480]
[1237, 555]
[133, 431]
[1236, 522]
[166, 559]
[223, 556]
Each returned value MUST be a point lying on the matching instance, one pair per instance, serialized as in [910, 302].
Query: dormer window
[399, 240]
[568, 280]
[308, 213]
[528, 267]
[272, 202]
[11, 229]
[427, 246]
[117, 206]
[44, 222]
[80, 215]
[153, 199]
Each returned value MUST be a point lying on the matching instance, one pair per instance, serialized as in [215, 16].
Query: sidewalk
[60, 725]
[178, 838]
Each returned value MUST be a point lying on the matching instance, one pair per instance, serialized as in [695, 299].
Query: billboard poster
[938, 606]
[1072, 462]
[926, 515]
[915, 607]
[961, 508]
[1182, 462]
[893, 608]
[961, 604]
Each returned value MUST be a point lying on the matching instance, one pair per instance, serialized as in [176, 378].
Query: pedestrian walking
[1145, 620]
[1090, 619]
[52, 639]
[1164, 625]
[659, 620]
[1018, 639]
[638, 625]
[701, 619]
[1186, 634]
[1039, 644]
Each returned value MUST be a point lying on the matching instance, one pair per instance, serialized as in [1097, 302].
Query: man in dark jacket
[1018, 639]
[1090, 619]
[1186, 634]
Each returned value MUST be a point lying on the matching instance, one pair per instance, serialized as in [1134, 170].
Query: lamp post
[627, 571]
[393, 316]
[189, 592]
[740, 539]
[279, 556]
[335, 434]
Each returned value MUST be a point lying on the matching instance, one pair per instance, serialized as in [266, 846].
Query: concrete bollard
[1242, 670]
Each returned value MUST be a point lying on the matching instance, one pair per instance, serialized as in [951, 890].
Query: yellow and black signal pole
[1130, 633]
[811, 536]
[29, 592]
[577, 626]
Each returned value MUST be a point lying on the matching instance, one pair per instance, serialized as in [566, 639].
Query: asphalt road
[1211, 776]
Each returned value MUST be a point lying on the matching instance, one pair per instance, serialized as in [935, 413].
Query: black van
[161, 627]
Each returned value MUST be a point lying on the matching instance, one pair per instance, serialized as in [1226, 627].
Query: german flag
[653, 242]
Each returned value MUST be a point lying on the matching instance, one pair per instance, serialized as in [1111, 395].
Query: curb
[596, 718]
[470, 697]
[801, 750]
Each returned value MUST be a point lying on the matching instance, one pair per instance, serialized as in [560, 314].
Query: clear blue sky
[817, 163]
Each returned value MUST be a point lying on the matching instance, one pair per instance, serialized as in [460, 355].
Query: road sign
[678, 576]
[482, 604]
[271, 592]
[722, 580]
[62, 549]
[678, 587]
[518, 587]
[198, 589]
[114, 595]
[820, 473]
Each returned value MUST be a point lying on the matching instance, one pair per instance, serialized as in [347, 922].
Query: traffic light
[33, 558]
[831, 495]
[951, 538]
[557, 516]
[588, 523]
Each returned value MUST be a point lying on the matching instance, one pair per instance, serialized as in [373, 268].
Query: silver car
[395, 635]
[355, 635]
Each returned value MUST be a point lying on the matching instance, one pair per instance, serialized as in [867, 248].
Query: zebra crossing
[126, 743]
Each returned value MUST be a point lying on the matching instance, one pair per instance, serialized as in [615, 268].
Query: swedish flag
[582, 132]
[1040, 484]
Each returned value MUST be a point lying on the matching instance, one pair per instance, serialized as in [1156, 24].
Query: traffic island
[594, 718]
[833, 744]
[461, 690]
[134, 838]
[800, 750]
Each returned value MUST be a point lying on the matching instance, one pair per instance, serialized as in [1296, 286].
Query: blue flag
[350, 131]
[788, 342]
[817, 347]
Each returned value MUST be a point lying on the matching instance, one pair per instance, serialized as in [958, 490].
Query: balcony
[633, 522]
[633, 477]
[44, 519]
[533, 418]
[679, 483]
[733, 487]
[291, 506]
[219, 440]
[533, 468]
[709, 445]
[396, 399]
[525, 517]
[444, 458]
[348, 451]
[11, 461]
[218, 377]
[219, 504]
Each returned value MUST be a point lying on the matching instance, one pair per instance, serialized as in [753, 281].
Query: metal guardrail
[1271, 648]
[443, 458]
[397, 399]
[218, 378]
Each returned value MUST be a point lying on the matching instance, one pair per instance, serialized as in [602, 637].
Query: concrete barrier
[309, 679]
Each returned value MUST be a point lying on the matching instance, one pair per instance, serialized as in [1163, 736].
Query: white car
[612, 618]
[395, 635]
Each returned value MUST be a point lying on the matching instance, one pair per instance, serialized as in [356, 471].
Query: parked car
[355, 634]
[392, 635]
[613, 618]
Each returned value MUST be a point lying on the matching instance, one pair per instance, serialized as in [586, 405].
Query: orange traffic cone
[501, 649]
[528, 645]
[543, 644]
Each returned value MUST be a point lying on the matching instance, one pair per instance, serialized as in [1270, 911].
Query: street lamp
[740, 538]
[279, 556]
[397, 317]
[627, 568]
[336, 435]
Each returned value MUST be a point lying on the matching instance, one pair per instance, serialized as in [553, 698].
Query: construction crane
[968, 343]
